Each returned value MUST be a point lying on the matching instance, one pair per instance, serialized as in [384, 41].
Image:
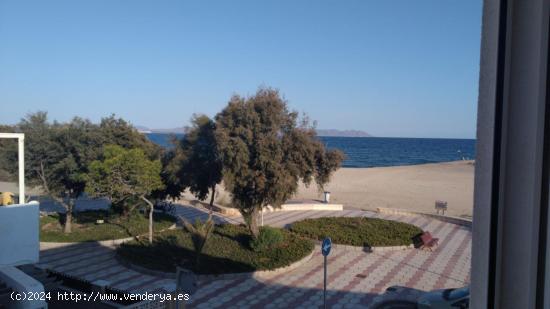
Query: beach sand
[414, 187]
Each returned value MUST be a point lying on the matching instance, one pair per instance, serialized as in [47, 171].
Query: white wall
[19, 228]
[23, 283]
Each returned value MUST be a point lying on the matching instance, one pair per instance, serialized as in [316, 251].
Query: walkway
[355, 277]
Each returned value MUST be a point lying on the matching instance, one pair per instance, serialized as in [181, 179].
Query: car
[401, 297]
[446, 298]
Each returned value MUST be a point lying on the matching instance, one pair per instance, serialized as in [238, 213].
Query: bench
[440, 206]
[428, 241]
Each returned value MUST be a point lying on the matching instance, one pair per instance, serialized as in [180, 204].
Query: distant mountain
[343, 133]
[143, 129]
[328, 132]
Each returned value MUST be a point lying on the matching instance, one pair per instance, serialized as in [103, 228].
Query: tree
[117, 131]
[57, 154]
[266, 151]
[56, 157]
[124, 174]
[199, 159]
[171, 166]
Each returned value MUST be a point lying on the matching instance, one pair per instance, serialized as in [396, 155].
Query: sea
[366, 152]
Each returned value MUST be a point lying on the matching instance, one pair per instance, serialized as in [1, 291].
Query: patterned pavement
[356, 278]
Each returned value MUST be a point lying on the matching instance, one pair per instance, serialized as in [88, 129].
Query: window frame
[509, 241]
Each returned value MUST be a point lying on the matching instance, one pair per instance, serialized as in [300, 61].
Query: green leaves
[266, 152]
[357, 231]
[123, 173]
[200, 233]
[269, 237]
[194, 163]
[57, 154]
[227, 251]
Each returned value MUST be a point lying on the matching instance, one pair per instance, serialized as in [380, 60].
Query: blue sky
[391, 68]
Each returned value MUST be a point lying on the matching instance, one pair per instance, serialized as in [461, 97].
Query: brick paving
[356, 278]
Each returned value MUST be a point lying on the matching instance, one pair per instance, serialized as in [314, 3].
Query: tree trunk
[254, 228]
[151, 208]
[213, 196]
[67, 227]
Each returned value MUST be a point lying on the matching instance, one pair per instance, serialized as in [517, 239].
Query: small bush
[368, 232]
[269, 237]
[227, 251]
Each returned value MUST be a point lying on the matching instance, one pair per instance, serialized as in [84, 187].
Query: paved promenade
[356, 278]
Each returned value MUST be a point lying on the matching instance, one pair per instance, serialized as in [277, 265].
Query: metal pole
[21, 158]
[325, 286]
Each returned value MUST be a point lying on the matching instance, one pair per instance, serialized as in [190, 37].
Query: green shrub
[227, 251]
[368, 232]
[269, 237]
[115, 226]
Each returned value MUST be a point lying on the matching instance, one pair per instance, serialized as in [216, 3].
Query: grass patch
[84, 227]
[368, 232]
[227, 251]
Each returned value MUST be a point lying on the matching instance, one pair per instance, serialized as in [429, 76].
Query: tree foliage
[123, 174]
[173, 187]
[57, 154]
[194, 163]
[117, 131]
[56, 157]
[201, 167]
[266, 150]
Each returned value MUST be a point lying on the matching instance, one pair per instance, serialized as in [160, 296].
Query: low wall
[449, 219]
[22, 283]
[371, 249]
[311, 206]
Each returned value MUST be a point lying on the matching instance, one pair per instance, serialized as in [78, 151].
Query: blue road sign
[325, 247]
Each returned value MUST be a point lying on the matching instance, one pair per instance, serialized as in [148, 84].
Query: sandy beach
[413, 187]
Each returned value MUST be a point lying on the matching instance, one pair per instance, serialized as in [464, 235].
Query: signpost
[325, 250]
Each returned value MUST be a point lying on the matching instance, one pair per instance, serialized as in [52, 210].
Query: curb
[449, 219]
[371, 249]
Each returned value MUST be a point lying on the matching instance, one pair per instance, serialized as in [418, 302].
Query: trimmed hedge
[84, 227]
[367, 232]
[227, 251]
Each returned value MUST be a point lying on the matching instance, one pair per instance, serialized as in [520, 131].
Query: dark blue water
[162, 139]
[385, 151]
